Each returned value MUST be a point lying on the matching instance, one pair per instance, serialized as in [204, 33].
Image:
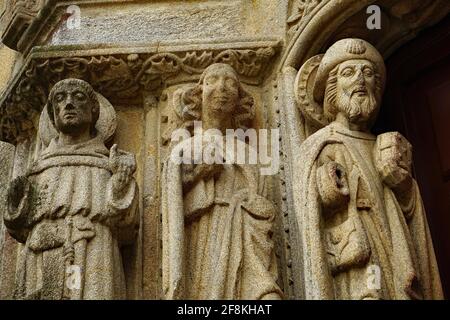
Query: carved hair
[86, 87]
[191, 103]
[330, 108]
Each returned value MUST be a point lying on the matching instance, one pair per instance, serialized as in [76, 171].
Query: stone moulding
[312, 31]
[300, 10]
[17, 18]
[26, 24]
[120, 75]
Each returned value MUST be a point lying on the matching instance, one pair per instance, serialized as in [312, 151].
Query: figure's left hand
[393, 160]
[123, 166]
[257, 205]
[245, 196]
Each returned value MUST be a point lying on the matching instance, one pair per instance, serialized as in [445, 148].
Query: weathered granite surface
[149, 63]
[364, 232]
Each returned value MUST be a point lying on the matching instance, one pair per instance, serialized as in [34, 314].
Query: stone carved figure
[77, 204]
[217, 224]
[364, 233]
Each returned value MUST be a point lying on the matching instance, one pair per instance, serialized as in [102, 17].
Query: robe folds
[216, 243]
[72, 205]
[375, 229]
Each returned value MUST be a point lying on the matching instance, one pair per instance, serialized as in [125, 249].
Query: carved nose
[360, 77]
[69, 105]
[69, 102]
[222, 83]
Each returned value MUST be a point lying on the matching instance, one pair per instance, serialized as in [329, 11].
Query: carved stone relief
[357, 206]
[77, 205]
[299, 10]
[342, 205]
[133, 82]
[118, 77]
[235, 259]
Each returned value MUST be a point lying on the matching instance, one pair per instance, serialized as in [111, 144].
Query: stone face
[150, 71]
[358, 207]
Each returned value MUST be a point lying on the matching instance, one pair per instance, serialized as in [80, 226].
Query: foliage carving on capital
[119, 77]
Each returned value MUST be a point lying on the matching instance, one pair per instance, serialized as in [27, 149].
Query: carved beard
[357, 108]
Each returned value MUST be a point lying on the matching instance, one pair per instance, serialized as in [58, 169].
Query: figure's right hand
[333, 185]
[207, 171]
[338, 176]
[18, 191]
[192, 173]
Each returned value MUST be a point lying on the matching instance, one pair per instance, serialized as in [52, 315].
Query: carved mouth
[70, 115]
[221, 98]
[360, 91]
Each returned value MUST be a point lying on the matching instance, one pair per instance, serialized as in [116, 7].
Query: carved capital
[119, 77]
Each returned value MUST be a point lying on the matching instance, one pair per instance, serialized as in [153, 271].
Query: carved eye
[368, 72]
[80, 96]
[347, 72]
[231, 82]
[211, 80]
[59, 97]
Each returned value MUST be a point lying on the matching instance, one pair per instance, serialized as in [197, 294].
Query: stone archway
[329, 21]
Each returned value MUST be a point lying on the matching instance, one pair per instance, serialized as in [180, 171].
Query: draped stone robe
[217, 245]
[73, 181]
[343, 251]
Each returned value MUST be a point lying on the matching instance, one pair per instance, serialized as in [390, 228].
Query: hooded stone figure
[363, 228]
[76, 206]
[217, 223]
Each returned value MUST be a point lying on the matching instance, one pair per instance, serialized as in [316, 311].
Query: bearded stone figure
[76, 206]
[364, 233]
[217, 223]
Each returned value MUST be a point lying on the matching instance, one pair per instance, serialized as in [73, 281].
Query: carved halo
[304, 85]
[106, 124]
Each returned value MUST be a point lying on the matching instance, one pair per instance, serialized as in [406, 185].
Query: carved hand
[123, 166]
[193, 173]
[207, 171]
[393, 158]
[333, 185]
[244, 195]
[19, 192]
